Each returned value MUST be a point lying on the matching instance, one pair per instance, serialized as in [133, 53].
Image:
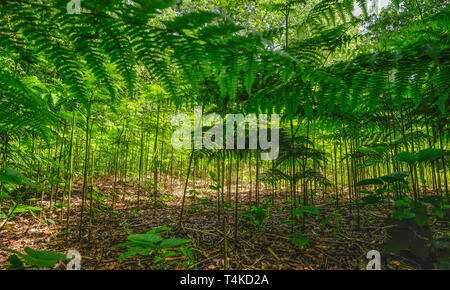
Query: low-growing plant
[300, 239]
[410, 231]
[165, 252]
[332, 220]
[256, 215]
[33, 259]
[298, 213]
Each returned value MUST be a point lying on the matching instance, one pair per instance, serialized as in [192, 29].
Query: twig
[205, 260]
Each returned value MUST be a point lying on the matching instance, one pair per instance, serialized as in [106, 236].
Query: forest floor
[340, 245]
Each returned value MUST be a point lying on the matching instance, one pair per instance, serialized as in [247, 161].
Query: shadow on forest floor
[339, 246]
